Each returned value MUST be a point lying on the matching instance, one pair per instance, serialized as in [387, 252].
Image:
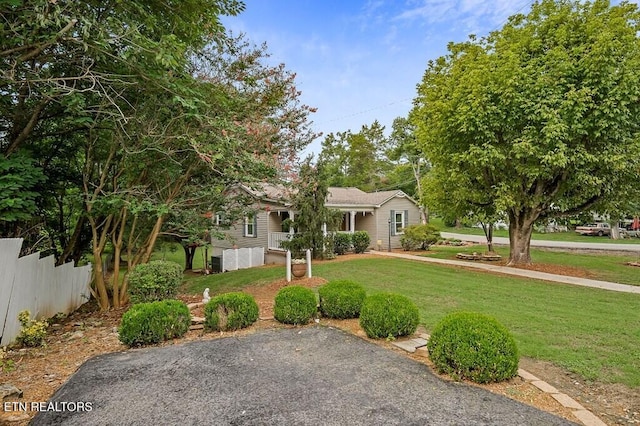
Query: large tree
[356, 159]
[540, 118]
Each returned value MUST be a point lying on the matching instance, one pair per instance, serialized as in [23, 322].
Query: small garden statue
[205, 296]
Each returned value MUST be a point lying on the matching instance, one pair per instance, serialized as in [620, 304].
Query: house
[382, 214]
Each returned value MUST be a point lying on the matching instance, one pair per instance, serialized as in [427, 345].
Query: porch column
[291, 217]
[268, 231]
[352, 222]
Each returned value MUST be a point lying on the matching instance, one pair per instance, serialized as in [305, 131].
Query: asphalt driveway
[305, 376]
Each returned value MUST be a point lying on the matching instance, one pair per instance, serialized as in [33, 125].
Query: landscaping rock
[8, 390]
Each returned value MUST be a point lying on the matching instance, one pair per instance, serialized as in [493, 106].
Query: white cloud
[479, 16]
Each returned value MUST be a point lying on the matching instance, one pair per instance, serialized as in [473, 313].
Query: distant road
[551, 244]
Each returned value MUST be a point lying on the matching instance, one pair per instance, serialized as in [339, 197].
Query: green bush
[154, 322]
[295, 305]
[32, 333]
[360, 241]
[388, 315]
[341, 299]
[473, 346]
[230, 311]
[341, 242]
[419, 237]
[156, 280]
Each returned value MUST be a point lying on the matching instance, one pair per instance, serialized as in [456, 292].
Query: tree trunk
[189, 254]
[520, 229]
[488, 233]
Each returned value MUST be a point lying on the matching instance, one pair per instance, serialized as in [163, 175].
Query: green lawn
[603, 267]
[594, 333]
[552, 236]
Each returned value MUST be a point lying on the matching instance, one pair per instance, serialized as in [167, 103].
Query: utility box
[216, 264]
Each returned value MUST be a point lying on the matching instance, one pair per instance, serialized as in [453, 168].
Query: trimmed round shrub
[153, 322]
[341, 299]
[341, 242]
[360, 240]
[295, 305]
[468, 345]
[388, 315]
[230, 311]
[156, 280]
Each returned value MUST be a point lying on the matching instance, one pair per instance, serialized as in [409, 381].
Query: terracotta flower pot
[298, 269]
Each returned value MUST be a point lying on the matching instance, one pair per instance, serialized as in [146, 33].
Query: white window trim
[398, 229]
[249, 223]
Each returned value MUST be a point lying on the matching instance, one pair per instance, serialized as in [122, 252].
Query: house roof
[354, 196]
[276, 193]
[336, 197]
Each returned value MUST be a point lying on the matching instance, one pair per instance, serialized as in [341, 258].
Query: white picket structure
[37, 285]
[242, 258]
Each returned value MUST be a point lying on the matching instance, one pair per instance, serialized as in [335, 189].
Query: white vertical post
[288, 262]
[292, 218]
[352, 222]
[308, 263]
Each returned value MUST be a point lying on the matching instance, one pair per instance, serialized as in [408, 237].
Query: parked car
[598, 229]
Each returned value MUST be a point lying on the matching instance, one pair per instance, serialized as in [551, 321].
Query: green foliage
[32, 333]
[6, 365]
[19, 178]
[355, 159]
[473, 346]
[230, 311]
[297, 245]
[341, 242]
[154, 322]
[419, 237]
[360, 241]
[295, 305]
[312, 214]
[388, 315]
[527, 122]
[341, 299]
[156, 280]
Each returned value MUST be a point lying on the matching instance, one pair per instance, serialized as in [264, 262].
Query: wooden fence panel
[37, 285]
[9, 252]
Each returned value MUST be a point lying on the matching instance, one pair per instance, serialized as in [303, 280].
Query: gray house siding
[264, 223]
[383, 214]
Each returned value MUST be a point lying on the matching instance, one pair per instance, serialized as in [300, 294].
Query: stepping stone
[197, 320]
[419, 342]
[407, 345]
[196, 327]
[588, 418]
[526, 375]
[567, 401]
[544, 386]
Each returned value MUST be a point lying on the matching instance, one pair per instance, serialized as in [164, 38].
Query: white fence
[37, 285]
[233, 259]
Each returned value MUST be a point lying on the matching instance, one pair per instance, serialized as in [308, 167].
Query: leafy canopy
[540, 118]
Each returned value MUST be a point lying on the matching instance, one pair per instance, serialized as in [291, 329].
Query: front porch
[278, 230]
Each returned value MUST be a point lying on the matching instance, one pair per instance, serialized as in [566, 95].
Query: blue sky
[360, 60]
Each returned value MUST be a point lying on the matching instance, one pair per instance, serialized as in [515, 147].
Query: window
[398, 222]
[250, 226]
[222, 221]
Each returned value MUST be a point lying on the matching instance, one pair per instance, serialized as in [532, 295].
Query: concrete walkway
[605, 285]
[551, 244]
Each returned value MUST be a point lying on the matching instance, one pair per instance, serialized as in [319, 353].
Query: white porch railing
[275, 238]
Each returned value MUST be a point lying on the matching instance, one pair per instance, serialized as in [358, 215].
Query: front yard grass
[605, 267]
[594, 333]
